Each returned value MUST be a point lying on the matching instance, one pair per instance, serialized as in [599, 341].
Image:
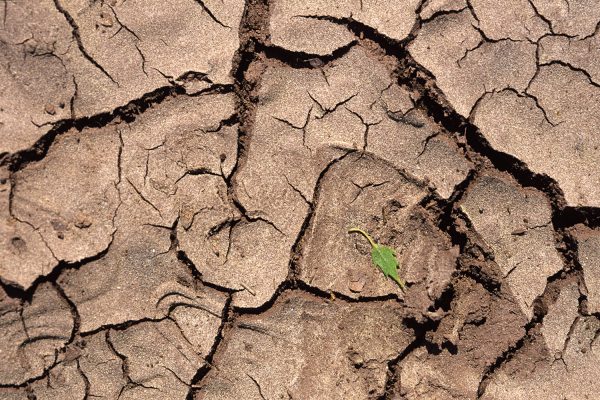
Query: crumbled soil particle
[481, 327]
[177, 184]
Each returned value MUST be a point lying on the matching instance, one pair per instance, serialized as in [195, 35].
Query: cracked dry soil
[176, 185]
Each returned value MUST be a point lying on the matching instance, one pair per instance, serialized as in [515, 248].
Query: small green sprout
[383, 257]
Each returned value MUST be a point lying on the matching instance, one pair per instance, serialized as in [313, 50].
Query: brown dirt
[177, 182]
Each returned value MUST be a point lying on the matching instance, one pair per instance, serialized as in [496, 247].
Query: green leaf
[383, 257]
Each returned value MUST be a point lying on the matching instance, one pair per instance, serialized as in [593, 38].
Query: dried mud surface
[177, 182]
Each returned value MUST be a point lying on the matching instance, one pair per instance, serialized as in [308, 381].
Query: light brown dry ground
[177, 180]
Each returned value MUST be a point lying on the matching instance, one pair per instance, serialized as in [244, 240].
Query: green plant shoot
[383, 257]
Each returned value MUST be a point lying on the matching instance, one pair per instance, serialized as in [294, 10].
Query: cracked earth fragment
[162, 172]
[432, 8]
[553, 130]
[578, 54]
[291, 149]
[75, 59]
[144, 360]
[177, 182]
[32, 333]
[588, 244]
[515, 224]
[535, 372]
[559, 319]
[64, 381]
[318, 27]
[24, 256]
[163, 357]
[571, 18]
[466, 65]
[481, 326]
[546, 98]
[70, 198]
[369, 193]
[101, 366]
[515, 20]
[312, 347]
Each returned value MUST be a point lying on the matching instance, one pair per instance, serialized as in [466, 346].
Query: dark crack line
[127, 112]
[361, 188]
[438, 14]
[300, 59]
[257, 386]
[206, 368]
[574, 69]
[546, 20]
[144, 198]
[298, 191]
[86, 381]
[210, 14]
[77, 37]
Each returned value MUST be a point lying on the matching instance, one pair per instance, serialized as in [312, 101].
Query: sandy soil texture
[177, 181]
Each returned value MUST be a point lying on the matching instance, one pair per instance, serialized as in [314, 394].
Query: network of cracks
[177, 183]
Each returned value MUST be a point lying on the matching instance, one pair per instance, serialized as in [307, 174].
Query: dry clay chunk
[361, 191]
[578, 18]
[163, 357]
[554, 132]
[36, 88]
[481, 327]
[176, 155]
[465, 66]
[137, 279]
[516, 224]
[69, 59]
[533, 374]
[306, 348]
[588, 250]
[559, 318]
[513, 19]
[23, 254]
[580, 54]
[70, 197]
[30, 338]
[304, 26]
